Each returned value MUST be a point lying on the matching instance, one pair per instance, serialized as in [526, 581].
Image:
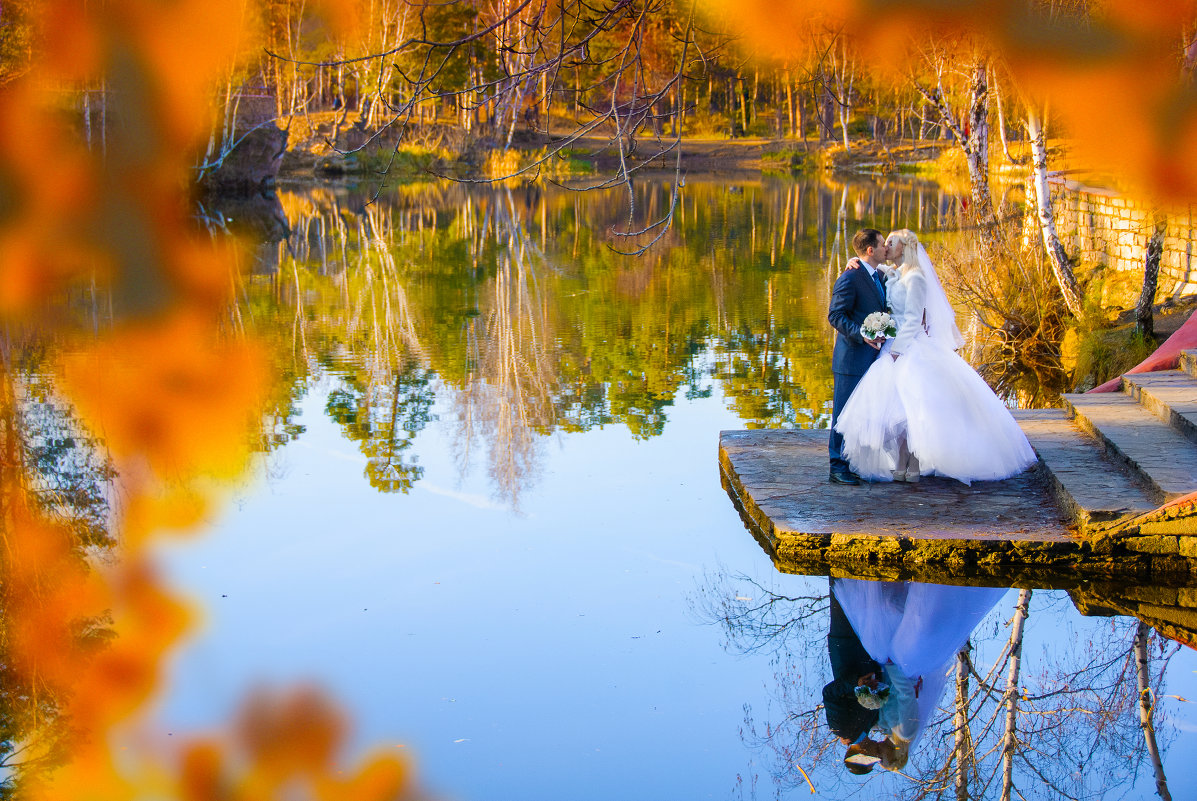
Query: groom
[856, 295]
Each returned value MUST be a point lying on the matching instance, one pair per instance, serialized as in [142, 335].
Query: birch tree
[1152, 254]
[1061, 265]
[974, 142]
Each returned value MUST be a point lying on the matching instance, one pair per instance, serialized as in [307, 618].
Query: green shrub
[789, 160]
[1105, 353]
[408, 161]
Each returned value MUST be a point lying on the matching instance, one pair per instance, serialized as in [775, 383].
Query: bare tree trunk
[731, 105]
[997, 99]
[1062, 268]
[826, 115]
[845, 77]
[756, 85]
[1144, 323]
[789, 79]
[802, 118]
[1146, 707]
[963, 749]
[743, 86]
[1010, 738]
[974, 143]
[779, 118]
[977, 149]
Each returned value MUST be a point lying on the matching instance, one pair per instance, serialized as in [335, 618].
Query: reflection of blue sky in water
[543, 655]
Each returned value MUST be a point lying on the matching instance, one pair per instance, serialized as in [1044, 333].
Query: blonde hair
[910, 247]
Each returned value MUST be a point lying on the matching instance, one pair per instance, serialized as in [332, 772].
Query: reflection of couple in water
[891, 646]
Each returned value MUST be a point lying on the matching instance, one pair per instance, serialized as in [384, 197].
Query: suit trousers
[843, 387]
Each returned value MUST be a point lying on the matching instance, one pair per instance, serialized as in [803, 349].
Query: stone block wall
[1111, 230]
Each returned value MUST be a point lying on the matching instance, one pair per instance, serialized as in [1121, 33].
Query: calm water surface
[489, 516]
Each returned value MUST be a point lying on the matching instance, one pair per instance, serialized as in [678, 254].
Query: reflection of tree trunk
[1010, 739]
[1151, 276]
[1062, 268]
[1146, 708]
[841, 238]
[963, 752]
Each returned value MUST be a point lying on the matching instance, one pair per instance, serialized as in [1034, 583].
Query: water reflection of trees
[52, 469]
[1075, 721]
[509, 304]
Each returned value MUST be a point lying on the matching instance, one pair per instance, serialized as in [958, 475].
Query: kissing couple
[907, 406]
[891, 646]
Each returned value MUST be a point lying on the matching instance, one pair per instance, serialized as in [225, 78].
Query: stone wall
[1108, 229]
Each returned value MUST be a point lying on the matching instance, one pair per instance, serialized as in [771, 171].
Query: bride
[921, 409]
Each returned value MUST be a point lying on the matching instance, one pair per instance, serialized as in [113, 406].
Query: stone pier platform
[1011, 533]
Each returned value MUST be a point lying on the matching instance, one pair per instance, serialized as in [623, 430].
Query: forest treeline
[491, 68]
[467, 75]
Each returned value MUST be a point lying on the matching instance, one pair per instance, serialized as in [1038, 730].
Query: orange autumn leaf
[47, 592]
[146, 621]
[170, 395]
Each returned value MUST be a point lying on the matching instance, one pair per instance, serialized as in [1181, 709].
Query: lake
[487, 514]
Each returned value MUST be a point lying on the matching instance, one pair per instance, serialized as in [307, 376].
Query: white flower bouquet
[878, 324]
[872, 697]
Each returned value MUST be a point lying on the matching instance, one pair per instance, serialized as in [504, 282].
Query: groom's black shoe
[844, 477]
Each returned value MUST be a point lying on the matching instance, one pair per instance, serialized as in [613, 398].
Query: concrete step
[1095, 488]
[1188, 362]
[1170, 395]
[1157, 451]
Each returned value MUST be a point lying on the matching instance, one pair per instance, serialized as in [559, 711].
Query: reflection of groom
[856, 295]
[850, 666]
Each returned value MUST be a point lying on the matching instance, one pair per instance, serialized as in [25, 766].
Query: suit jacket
[849, 661]
[853, 298]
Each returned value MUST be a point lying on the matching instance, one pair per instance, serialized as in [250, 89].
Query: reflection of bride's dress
[953, 421]
[915, 631]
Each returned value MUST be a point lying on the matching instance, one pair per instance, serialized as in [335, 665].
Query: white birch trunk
[1061, 267]
[976, 149]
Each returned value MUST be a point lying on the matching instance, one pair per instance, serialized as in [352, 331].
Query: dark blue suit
[853, 298]
[849, 661]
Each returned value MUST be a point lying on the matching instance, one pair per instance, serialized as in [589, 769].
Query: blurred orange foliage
[1110, 72]
[175, 398]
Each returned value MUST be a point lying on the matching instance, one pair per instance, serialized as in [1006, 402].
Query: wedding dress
[914, 631]
[953, 422]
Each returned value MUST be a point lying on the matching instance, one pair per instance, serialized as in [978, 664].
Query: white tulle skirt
[953, 422]
[918, 627]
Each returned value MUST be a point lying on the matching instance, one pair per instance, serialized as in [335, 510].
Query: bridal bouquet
[878, 324]
[872, 697]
